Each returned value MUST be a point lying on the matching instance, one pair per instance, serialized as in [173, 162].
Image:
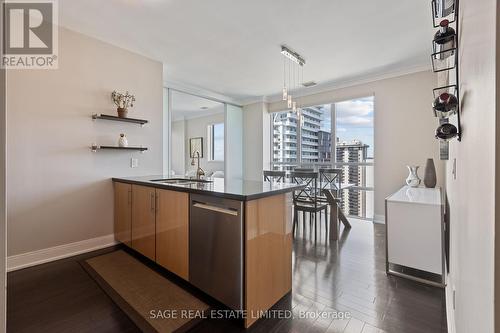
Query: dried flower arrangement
[122, 102]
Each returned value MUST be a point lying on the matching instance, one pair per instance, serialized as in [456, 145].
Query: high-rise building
[324, 146]
[353, 152]
[285, 143]
[317, 148]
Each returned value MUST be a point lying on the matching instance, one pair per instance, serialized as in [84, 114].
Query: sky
[218, 142]
[354, 120]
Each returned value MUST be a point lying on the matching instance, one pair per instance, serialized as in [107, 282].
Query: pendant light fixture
[295, 67]
[285, 89]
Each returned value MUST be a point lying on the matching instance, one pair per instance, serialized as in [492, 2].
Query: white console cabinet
[415, 234]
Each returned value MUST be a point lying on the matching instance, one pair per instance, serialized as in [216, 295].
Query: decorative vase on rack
[122, 141]
[430, 174]
[122, 112]
[413, 180]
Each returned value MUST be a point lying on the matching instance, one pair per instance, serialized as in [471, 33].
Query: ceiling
[186, 106]
[232, 47]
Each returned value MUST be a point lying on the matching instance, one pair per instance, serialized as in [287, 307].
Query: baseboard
[38, 257]
[379, 219]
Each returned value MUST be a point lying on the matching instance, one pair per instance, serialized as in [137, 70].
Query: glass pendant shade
[294, 106]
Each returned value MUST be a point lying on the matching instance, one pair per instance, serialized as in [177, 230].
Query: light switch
[134, 162]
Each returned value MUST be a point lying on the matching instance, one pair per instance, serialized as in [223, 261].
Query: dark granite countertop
[242, 190]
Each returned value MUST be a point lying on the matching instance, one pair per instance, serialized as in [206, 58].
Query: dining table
[336, 213]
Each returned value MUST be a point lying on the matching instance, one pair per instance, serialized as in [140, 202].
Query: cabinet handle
[157, 202]
[229, 211]
[152, 202]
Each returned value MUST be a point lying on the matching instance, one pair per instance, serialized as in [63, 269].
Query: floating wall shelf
[115, 118]
[95, 148]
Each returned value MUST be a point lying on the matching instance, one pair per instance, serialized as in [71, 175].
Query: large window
[216, 142]
[336, 135]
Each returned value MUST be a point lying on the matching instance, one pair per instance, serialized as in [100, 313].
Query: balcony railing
[358, 200]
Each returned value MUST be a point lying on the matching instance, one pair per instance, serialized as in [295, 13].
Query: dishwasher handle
[229, 211]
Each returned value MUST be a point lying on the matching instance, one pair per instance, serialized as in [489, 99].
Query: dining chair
[303, 169]
[330, 178]
[306, 200]
[336, 214]
[274, 176]
[333, 202]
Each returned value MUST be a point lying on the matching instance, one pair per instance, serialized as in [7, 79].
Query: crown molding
[346, 83]
[200, 92]
[320, 88]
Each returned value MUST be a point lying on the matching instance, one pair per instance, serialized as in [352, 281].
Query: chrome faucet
[199, 171]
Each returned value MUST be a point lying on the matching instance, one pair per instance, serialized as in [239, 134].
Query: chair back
[329, 179]
[303, 169]
[274, 176]
[310, 192]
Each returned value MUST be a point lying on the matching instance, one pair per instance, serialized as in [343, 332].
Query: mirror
[197, 125]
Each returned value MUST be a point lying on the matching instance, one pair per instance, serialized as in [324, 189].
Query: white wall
[472, 194]
[59, 191]
[3, 220]
[233, 148]
[404, 127]
[178, 163]
[198, 127]
[256, 140]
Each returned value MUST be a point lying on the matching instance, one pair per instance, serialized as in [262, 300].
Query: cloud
[355, 121]
[357, 112]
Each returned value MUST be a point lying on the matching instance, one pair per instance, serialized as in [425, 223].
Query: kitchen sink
[180, 181]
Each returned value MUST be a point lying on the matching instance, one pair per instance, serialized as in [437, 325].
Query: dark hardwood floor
[338, 278]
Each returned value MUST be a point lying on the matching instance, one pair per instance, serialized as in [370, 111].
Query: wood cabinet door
[172, 232]
[123, 213]
[143, 220]
[268, 253]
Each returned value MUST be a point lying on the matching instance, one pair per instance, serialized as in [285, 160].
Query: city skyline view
[355, 121]
[305, 139]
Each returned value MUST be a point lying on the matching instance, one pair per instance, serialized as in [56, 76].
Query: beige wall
[256, 140]
[178, 156]
[195, 128]
[59, 191]
[3, 224]
[404, 127]
[472, 194]
[497, 172]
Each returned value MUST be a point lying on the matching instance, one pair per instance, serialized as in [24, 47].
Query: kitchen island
[231, 239]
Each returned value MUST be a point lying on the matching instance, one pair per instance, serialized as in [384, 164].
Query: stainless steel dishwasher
[216, 248]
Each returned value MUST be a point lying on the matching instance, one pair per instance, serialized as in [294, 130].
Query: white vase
[122, 141]
[413, 179]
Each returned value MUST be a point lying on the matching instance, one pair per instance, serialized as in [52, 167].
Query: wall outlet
[134, 162]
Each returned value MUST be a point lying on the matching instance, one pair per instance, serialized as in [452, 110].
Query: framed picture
[195, 145]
